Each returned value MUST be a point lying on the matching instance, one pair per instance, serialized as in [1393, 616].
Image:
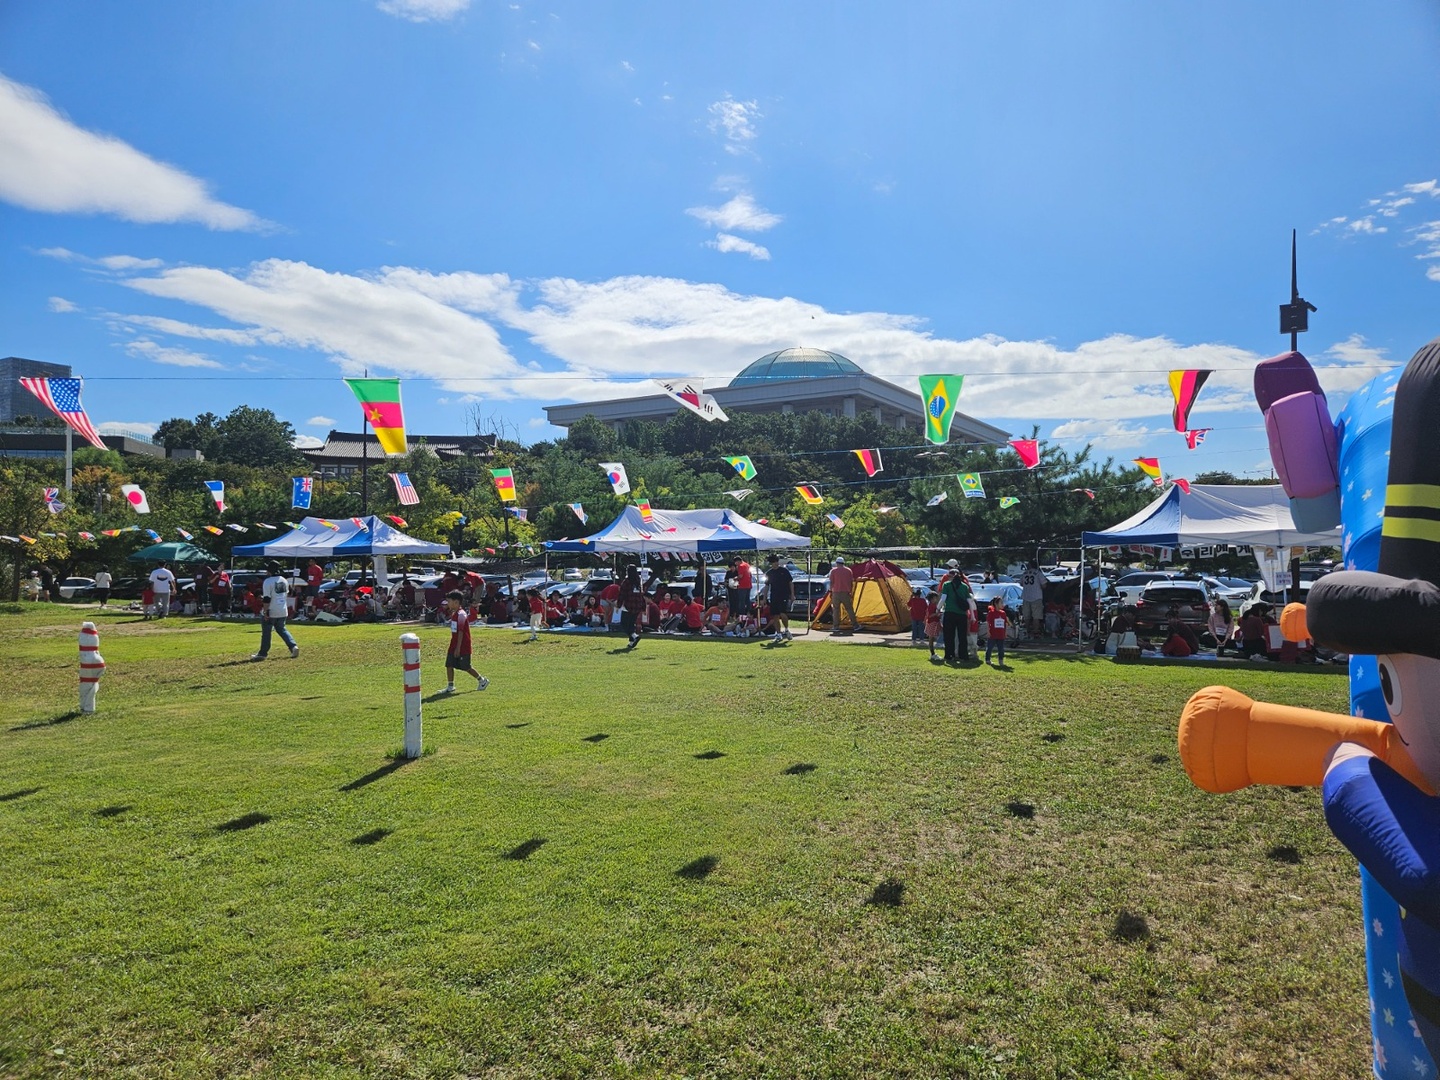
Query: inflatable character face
[1411, 686]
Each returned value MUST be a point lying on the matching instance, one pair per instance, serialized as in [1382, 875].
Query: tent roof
[348, 538]
[171, 551]
[692, 531]
[1215, 514]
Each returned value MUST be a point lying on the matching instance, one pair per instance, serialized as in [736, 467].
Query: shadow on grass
[512, 727]
[63, 718]
[383, 771]
[245, 821]
[112, 811]
[1130, 927]
[374, 836]
[598, 737]
[11, 796]
[1158, 759]
[1284, 853]
[699, 869]
[234, 663]
[800, 769]
[1053, 737]
[523, 851]
[889, 893]
[709, 755]
[1023, 810]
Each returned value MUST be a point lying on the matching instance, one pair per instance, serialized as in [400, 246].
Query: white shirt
[161, 580]
[1032, 585]
[102, 580]
[276, 592]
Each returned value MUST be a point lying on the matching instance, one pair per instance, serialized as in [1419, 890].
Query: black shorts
[458, 661]
[312, 591]
[102, 595]
[780, 604]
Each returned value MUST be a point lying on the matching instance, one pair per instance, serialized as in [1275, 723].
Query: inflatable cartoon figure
[1380, 779]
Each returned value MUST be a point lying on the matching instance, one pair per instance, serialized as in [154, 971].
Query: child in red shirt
[536, 607]
[997, 624]
[694, 616]
[918, 610]
[458, 656]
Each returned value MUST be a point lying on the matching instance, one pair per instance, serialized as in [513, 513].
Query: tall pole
[1295, 316]
[69, 458]
[365, 458]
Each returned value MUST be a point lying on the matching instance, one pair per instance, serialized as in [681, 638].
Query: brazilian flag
[939, 392]
[743, 465]
[970, 484]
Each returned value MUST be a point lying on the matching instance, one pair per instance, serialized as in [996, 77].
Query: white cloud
[1433, 273]
[1353, 350]
[224, 335]
[627, 65]
[1116, 433]
[128, 262]
[603, 339]
[1366, 224]
[146, 349]
[60, 305]
[1426, 187]
[724, 242]
[307, 442]
[143, 428]
[537, 421]
[50, 164]
[118, 263]
[423, 10]
[383, 322]
[320, 421]
[735, 122]
[741, 213]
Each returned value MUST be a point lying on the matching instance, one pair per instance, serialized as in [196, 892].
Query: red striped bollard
[410, 649]
[92, 666]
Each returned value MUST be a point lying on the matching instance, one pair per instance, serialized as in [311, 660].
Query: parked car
[1190, 598]
[1130, 586]
[128, 588]
[77, 588]
[808, 589]
[573, 574]
[1234, 591]
[1009, 591]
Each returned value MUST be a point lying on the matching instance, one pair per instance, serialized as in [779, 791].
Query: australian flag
[301, 496]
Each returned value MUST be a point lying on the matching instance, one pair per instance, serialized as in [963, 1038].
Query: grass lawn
[702, 858]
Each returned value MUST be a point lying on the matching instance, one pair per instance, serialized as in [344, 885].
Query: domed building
[792, 381]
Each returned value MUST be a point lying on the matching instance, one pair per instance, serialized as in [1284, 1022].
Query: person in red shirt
[740, 602]
[997, 624]
[918, 610]
[694, 617]
[536, 606]
[457, 658]
[314, 578]
[609, 599]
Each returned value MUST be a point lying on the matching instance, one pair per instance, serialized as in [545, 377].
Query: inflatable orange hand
[1228, 741]
[1292, 623]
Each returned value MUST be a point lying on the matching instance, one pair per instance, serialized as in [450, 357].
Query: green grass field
[703, 858]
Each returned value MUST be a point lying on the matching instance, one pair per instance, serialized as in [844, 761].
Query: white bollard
[92, 666]
[410, 648]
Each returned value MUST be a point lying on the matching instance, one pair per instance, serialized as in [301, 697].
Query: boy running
[458, 657]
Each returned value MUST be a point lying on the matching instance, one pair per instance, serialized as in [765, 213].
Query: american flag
[62, 397]
[404, 490]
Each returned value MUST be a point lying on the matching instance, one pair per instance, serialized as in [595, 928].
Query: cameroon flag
[380, 402]
[504, 484]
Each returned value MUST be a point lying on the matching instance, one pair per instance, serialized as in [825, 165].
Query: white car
[69, 586]
[573, 574]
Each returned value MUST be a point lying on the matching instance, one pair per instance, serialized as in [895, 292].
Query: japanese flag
[135, 497]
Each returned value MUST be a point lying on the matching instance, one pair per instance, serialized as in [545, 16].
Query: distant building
[792, 381]
[15, 400]
[33, 442]
[343, 452]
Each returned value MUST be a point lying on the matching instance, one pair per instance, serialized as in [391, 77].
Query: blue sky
[513, 204]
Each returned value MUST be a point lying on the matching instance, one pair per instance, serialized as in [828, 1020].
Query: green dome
[796, 364]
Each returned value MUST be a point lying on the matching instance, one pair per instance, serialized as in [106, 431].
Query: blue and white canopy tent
[1253, 515]
[346, 541]
[692, 532]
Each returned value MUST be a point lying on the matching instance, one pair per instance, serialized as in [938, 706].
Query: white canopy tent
[693, 532]
[1253, 515]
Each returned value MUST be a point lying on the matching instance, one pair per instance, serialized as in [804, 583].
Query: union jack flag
[404, 490]
[62, 397]
[1195, 437]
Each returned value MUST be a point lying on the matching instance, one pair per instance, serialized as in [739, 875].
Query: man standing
[162, 583]
[631, 599]
[314, 578]
[842, 584]
[740, 603]
[779, 588]
[102, 585]
[1032, 598]
[274, 610]
[202, 587]
[955, 595]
